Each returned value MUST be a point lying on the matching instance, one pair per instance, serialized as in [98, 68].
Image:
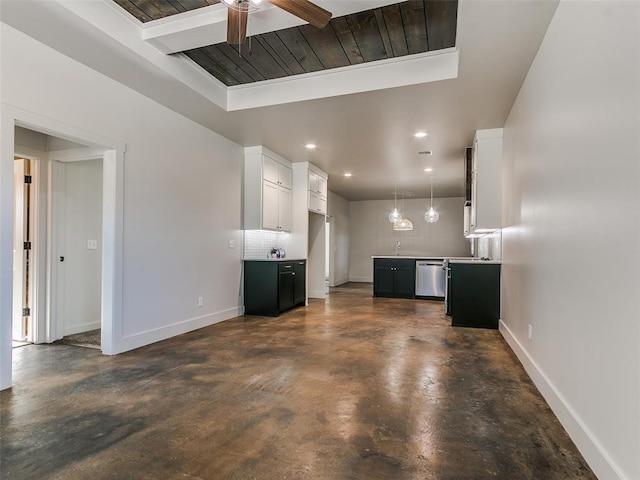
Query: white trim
[83, 327]
[393, 72]
[113, 213]
[360, 279]
[593, 452]
[7, 143]
[208, 25]
[316, 294]
[148, 337]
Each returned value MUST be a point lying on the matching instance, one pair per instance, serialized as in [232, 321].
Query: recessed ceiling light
[420, 134]
[310, 146]
[348, 174]
[429, 169]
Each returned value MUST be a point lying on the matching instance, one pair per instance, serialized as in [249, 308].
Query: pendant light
[404, 224]
[432, 214]
[395, 214]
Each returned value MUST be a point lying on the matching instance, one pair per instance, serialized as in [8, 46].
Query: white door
[269, 205]
[78, 222]
[20, 222]
[284, 209]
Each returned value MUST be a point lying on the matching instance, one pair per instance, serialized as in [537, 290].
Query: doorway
[22, 331]
[76, 229]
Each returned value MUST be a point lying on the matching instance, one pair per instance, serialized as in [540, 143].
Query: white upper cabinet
[267, 191]
[276, 172]
[486, 184]
[317, 191]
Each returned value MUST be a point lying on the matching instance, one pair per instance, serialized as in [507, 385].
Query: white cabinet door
[486, 184]
[322, 205]
[474, 186]
[270, 169]
[314, 202]
[285, 177]
[313, 181]
[284, 209]
[270, 208]
[322, 186]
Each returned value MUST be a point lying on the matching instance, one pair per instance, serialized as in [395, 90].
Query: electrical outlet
[529, 332]
[232, 244]
[92, 244]
[200, 301]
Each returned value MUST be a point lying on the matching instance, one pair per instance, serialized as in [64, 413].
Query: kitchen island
[471, 294]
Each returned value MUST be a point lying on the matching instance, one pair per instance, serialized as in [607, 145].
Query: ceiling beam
[208, 25]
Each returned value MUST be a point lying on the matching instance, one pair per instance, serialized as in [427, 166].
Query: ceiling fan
[238, 11]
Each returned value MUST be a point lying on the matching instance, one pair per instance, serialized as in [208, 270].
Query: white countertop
[286, 259]
[451, 259]
[410, 257]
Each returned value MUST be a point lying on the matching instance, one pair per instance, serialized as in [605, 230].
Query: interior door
[20, 235]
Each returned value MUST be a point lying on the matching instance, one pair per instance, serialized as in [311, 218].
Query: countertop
[286, 259]
[451, 259]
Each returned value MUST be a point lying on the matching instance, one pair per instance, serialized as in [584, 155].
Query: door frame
[35, 273]
[112, 227]
[58, 160]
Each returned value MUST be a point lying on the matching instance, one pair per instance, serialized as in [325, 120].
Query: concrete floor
[348, 388]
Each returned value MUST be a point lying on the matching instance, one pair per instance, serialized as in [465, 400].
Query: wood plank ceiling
[404, 28]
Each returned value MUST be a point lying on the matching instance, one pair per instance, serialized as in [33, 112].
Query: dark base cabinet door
[299, 283]
[383, 281]
[394, 277]
[285, 291]
[474, 295]
[406, 281]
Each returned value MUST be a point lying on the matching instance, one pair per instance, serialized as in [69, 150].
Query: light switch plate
[92, 244]
[232, 244]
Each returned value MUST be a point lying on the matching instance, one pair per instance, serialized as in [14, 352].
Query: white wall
[339, 210]
[316, 256]
[570, 243]
[181, 194]
[79, 220]
[371, 233]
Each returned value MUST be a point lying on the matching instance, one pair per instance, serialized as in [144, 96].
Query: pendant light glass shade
[403, 225]
[395, 214]
[431, 215]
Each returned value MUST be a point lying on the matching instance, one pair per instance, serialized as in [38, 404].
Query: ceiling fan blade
[304, 9]
[236, 26]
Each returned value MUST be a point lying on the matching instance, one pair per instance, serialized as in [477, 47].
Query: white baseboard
[317, 294]
[361, 279]
[83, 327]
[148, 337]
[595, 455]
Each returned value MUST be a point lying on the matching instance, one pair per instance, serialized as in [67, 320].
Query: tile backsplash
[490, 246]
[258, 243]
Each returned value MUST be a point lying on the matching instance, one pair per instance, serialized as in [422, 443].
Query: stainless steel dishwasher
[430, 279]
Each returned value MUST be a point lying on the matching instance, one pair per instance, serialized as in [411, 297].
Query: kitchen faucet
[397, 247]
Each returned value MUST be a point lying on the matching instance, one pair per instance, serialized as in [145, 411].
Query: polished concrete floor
[349, 388]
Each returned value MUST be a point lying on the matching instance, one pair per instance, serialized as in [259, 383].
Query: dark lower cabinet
[474, 295]
[394, 278]
[272, 287]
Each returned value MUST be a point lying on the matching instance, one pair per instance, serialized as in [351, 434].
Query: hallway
[353, 387]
